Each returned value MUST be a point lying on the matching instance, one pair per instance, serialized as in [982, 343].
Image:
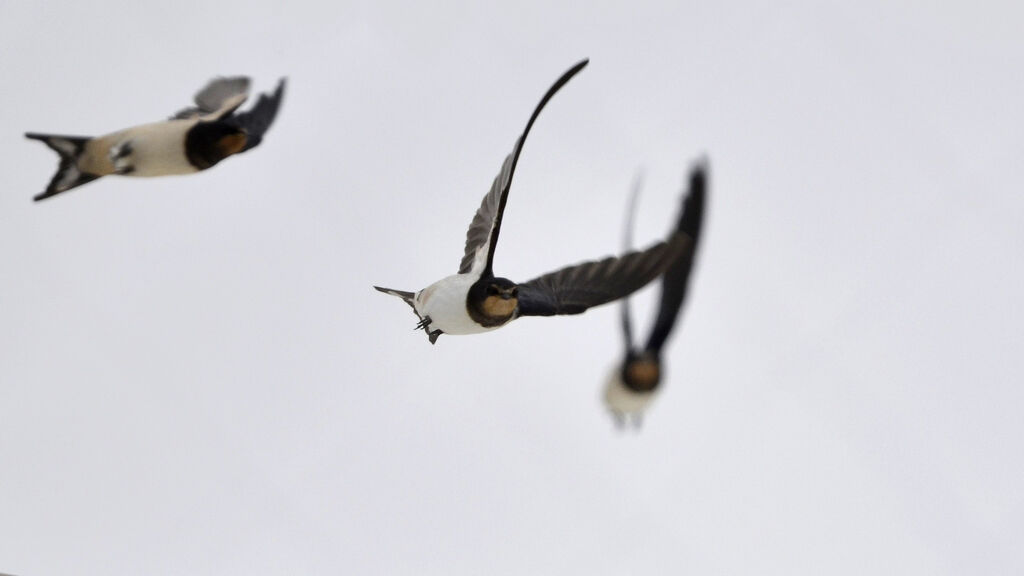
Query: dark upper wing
[676, 277]
[482, 235]
[220, 97]
[627, 245]
[574, 289]
[257, 120]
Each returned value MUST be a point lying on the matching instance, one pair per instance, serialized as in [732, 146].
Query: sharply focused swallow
[194, 139]
[633, 384]
[475, 300]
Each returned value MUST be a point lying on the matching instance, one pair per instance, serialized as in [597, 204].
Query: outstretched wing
[220, 97]
[627, 245]
[676, 277]
[482, 235]
[258, 119]
[573, 289]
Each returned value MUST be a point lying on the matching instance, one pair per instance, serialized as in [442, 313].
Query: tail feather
[410, 299]
[68, 175]
[407, 297]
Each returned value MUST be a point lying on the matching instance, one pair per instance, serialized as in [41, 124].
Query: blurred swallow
[633, 384]
[475, 300]
[194, 139]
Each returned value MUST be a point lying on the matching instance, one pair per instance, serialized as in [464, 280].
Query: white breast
[620, 399]
[156, 149]
[444, 302]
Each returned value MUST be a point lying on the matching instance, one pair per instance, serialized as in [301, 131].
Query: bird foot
[423, 325]
[619, 419]
[119, 157]
[638, 421]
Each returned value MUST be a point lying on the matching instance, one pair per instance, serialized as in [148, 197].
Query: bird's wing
[220, 97]
[257, 120]
[676, 277]
[627, 245]
[573, 289]
[482, 235]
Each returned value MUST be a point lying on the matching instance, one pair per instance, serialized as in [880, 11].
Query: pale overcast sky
[197, 378]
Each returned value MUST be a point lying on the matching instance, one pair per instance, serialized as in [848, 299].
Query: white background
[196, 376]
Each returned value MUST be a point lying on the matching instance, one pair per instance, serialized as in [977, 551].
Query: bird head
[496, 298]
[208, 143]
[641, 372]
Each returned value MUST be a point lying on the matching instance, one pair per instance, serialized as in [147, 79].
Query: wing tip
[279, 90]
[244, 83]
[572, 71]
[699, 172]
[241, 78]
[692, 216]
[631, 204]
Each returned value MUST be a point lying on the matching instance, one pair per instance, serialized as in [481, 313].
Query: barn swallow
[634, 383]
[194, 139]
[475, 300]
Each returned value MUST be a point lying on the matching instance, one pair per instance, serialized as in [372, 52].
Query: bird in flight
[194, 139]
[475, 300]
[634, 383]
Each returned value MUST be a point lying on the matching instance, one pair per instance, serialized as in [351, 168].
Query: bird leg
[119, 157]
[424, 325]
[619, 418]
[638, 420]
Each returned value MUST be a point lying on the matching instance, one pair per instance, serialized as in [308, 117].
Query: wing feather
[625, 316]
[482, 236]
[257, 120]
[676, 278]
[574, 289]
[220, 97]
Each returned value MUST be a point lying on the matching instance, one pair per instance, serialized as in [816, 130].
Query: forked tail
[407, 297]
[410, 299]
[68, 174]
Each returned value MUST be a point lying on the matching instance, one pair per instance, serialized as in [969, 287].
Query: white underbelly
[159, 149]
[623, 400]
[445, 303]
[155, 149]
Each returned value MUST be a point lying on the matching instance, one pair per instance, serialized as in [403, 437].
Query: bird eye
[492, 289]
